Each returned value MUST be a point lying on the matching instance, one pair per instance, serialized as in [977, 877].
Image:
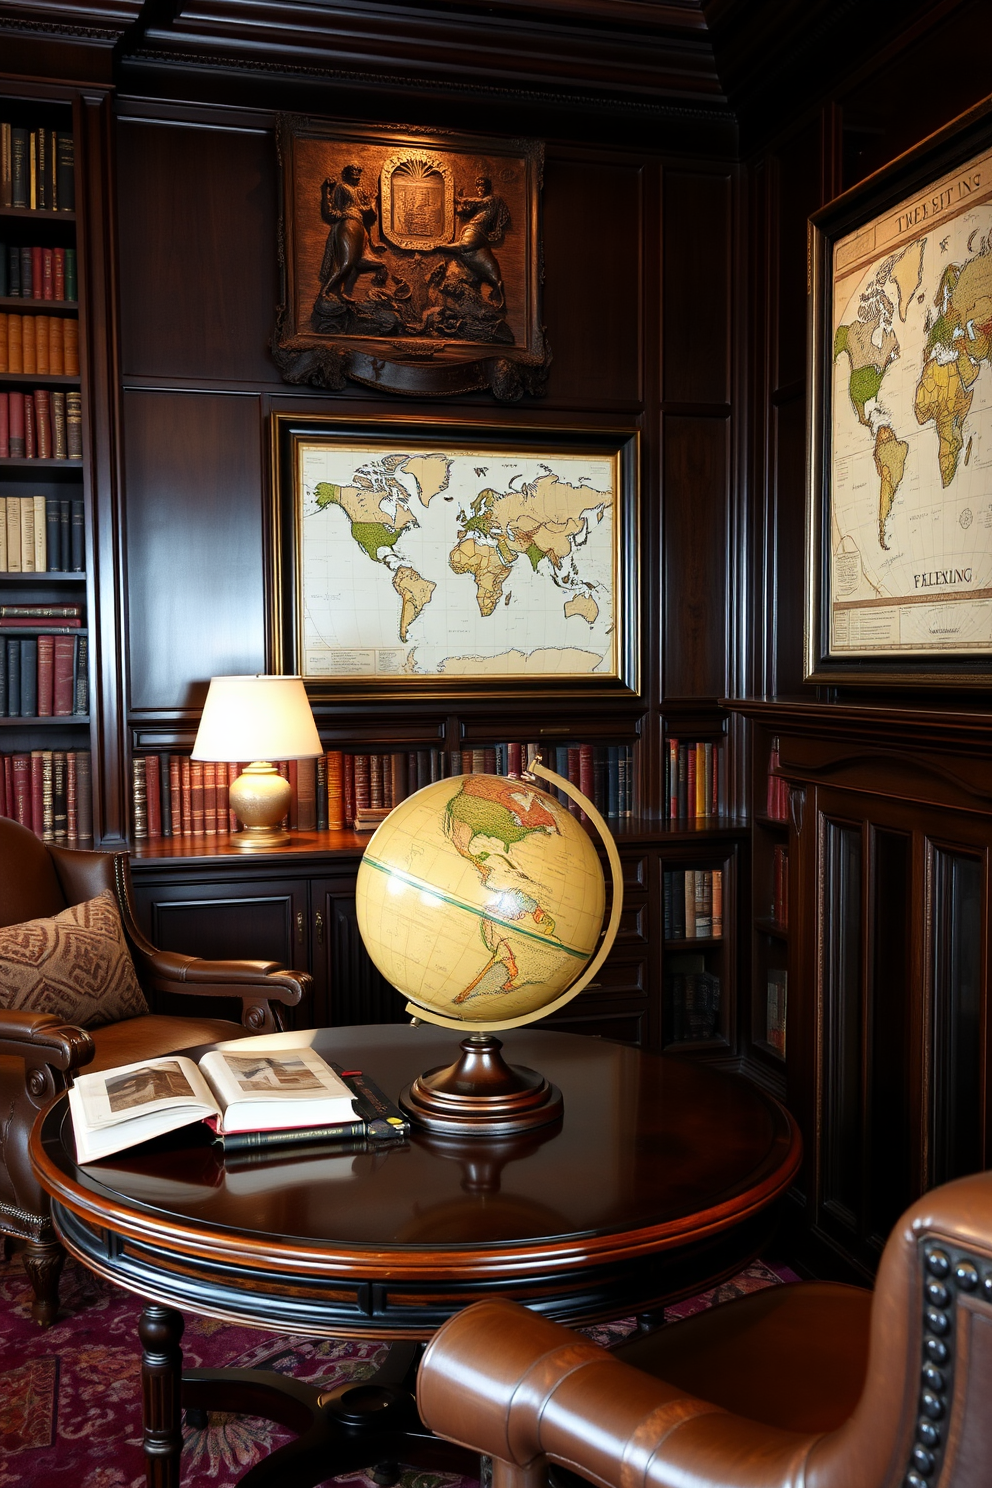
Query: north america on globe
[476, 563]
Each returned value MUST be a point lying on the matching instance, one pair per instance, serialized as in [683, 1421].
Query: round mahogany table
[656, 1182]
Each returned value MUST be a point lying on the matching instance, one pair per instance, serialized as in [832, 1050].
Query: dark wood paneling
[592, 288]
[199, 280]
[799, 173]
[697, 315]
[194, 544]
[789, 507]
[696, 455]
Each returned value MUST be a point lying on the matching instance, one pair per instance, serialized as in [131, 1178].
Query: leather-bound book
[587, 783]
[13, 678]
[59, 445]
[38, 795]
[77, 536]
[186, 777]
[71, 292]
[153, 796]
[14, 271]
[165, 795]
[74, 425]
[223, 813]
[423, 768]
[58, 273]
[3, 341]
[376, 798]
[292, 775]
[40, 535]
[65, 529]
[3, 678]
[19, 168]
[81, 681]
[42, 169]
[14, 521]
[196, 796]
[84, 794]
[363, 782]
[6, 163]
[29, 677]
[4, 455]
[139, 798]
[64, 676]
[27, 275]
[573, 773]
[336, 813]
[42, 344]
[30, 436]
[60, 805]
[210, 798]
[46, 675]
[52, 541]
[37, 275]
[65, 176]
[233, 771]
[397, 768]
[8, 786]
[71, 797]
[176, 794]
[514, 759]
[29, 343]
[21, 768]
[27, 534]
[306, 795]
[43, 421]
[47, 274]
[349, 789]
[15, 343]
[69, 346]
[320, 789]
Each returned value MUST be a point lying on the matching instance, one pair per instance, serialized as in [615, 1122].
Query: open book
[289, 1090]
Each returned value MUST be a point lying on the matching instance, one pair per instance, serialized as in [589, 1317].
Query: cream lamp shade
[261, 719]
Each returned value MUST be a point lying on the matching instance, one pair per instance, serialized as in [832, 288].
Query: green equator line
[426, 888]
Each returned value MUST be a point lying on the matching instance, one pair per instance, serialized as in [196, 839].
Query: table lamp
[263, 719]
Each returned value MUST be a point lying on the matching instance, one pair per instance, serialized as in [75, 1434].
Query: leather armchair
[812, 1385]
[38, 1051]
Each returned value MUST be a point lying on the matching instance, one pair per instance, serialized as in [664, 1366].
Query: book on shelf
[694, 780]
[777, 803]
[42, 534]
[42, 674]
[692, 903]
[291, 1091]
[61, 429]
[692, 1001]
[36, 273]
[37, 168]
[49, 792]
[775, 1009]
[43, 345]
[780, 886]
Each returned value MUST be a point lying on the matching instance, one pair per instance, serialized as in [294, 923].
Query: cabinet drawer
[621, 976]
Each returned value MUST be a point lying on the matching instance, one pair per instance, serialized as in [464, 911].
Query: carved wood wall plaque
[411, 260]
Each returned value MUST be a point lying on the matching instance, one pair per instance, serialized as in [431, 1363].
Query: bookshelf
[769, 908]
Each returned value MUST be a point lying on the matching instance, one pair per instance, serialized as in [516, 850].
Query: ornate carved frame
[433, 365]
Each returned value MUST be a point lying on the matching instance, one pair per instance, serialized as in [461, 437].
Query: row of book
[694, 784]
[692, 1001]
[775, 1009]
[780, 886]
[173, 795]
[43, 676]
[37, 169]
[49, 791]
[37, 273]
[43, 425]
[42, 534]
[692, 903]
[46, 345]
[777, 802]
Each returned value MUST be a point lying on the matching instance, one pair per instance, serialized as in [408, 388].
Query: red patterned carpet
[70, 1398]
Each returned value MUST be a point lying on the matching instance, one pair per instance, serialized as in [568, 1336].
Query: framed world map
[434, 557]
[900, 454]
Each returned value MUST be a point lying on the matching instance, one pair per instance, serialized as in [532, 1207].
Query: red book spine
[21, 772]
[210, 768]
[233, 771]
[690, 782]
[489, 761]
[293, 775]
[153, 795]
[8, 786]
[4, 426]
[37, 767]
[30, 437]
[58, 273]
[223, 804]
[46, 675]
[47, 274]
[176, 795]
[196, 796]
[186, 789]
[37, 274]
[586, 774]
[514, 759]
[63, 687]
[349, 790]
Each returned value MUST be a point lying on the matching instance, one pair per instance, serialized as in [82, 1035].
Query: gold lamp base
[260, 798]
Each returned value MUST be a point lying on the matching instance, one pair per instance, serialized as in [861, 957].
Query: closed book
[4, 342]
[690, 780]
[397, 770]
[4, 275]
[6, 153]
[376, 798]
[84, 794]
[3, 678]
[38, 794]
[77, 537]
[7, 786]
[74, 426]
[424, 768]
[58, 273]
[717, 908]
[52, 541]
[320, 788]
[704, 903]
[22, 789]
[27, 275]
[613, 780]
[40, 535]
[46, 675]
[586, 771]
[514, 759]
[30, 438]
[29, 677]
[363, 782]
[59, 445]
[176, 795]
[42, 614]
[80, 679]
[13, 526]
[454, 765]
[37, 278]
[666, 905]
[210, 798]
[65, 528]
[16, 442]
[306, 795]
[71, 797]
[43, 422]
[153, 796]
[165, 795]
[348, 789]
[43, 342]
[139, 798]
[196, 797]
[71, 292]
[4, 454]
[334, 760]
[13, 678]
[14, 272]
[63, 685]
[478, 761]
[289, 768]
[15, 343]
[27, 534]
[60, 803]
[19, 168]
[29, 343]
[65, 181]
[47, 274]
[689, 899]
[233, 771]
[41, 169]
[488, 760]
[70, 347]
[52, 627]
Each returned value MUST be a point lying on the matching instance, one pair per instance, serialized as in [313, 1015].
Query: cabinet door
[347, 987]
[230, 920]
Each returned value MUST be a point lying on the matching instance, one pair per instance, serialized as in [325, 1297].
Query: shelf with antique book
[46, 591]
[766, 1024]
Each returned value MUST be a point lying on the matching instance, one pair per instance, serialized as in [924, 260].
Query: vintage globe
[481, 899]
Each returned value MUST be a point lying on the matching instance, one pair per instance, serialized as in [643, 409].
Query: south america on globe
[481, 899]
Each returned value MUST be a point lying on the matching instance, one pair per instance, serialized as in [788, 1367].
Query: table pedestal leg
[160, 1330]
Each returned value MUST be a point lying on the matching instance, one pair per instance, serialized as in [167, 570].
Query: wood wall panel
[593, 286]
[789, 506]
[193, 506]
[695, 504]
[799, 195]
[697, 263]
[199, 281]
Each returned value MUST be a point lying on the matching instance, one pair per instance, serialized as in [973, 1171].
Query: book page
[112, 1097]
[297, 1075]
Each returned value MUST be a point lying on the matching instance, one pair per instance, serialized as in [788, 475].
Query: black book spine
[19, 172]
[65, 175]
[65, 545]
[78, 536]
[27, 274]
[81, 688]
[41, 170]
[13, 679]
[14, 271]
[60, 804]
[4, 276]
[239, 1142]
[52, 535]
[321, 789]
[165, 794]
[29, 677]
[3, 680]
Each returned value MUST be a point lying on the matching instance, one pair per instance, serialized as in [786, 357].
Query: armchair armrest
[255, 982]
[48, 1049]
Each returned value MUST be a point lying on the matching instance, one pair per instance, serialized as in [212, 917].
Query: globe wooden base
[480, 1094]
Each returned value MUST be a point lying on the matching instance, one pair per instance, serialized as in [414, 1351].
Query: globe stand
[481, 1094]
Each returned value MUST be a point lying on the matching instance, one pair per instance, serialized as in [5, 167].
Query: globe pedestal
[481, 1094]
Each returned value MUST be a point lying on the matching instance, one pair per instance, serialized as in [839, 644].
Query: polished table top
[655, 1159]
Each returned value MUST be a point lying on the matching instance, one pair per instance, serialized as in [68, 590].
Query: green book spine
[70, 274]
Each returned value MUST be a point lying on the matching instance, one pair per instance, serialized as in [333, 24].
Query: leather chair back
[29, 884]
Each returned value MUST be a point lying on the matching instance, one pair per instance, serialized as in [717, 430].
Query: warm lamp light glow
[261, 719]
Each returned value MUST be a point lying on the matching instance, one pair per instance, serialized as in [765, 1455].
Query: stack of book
[43, 668]
[778, 791]
[780, 886]
[693, 904]
[694, 785]
[36, 169]
[775, 1009]
[41, 534]
[43, 425]
[692, 1002]
[45, 344]
[48, 791]
[37, 273]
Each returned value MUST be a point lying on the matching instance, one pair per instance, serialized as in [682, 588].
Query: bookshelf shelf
[40, 379]
[35, 464]
[694, 943]
[36, 214]
[44, 576]
[47, 720]
[18, 303]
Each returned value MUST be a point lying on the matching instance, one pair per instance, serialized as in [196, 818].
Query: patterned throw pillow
[76, 964]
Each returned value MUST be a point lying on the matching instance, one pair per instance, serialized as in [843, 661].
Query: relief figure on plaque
[347, 254]
[487, 218]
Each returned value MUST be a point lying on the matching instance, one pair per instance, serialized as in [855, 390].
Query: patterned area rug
[70, 1397]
